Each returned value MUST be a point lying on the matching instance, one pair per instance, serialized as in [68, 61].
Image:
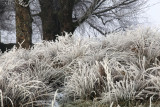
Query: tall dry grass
[120, 67]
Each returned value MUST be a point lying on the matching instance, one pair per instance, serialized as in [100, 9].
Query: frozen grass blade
[1, 98]
[54, 100]
[121, 66]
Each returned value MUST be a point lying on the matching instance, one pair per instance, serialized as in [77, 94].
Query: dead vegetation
[123, 66]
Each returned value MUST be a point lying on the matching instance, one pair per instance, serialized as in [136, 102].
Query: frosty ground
[121, 69]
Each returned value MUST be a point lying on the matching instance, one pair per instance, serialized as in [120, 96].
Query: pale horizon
[152, 13]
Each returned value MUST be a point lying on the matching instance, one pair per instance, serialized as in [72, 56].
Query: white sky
[153, 13]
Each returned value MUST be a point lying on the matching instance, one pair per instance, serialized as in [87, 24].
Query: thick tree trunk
[50, 22]
[56, 19]
[65, 16]
[23, 25]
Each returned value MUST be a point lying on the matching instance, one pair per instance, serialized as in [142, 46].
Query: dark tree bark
[23, 25]
[56, 16]
[65, 16]
[107, 16]
[50, 22]
[2, 10]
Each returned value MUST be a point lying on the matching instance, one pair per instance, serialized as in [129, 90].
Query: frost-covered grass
[120, 69]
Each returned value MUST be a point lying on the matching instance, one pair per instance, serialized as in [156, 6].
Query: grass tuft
[121, 69]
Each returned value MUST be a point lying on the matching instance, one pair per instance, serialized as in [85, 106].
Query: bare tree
[5, 15]
[65, 15]
[7, 24]
[105, 16]
[50, 22]
[23, 24]
[2, 9]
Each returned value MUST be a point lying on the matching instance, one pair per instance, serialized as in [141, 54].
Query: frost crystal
[24, 3]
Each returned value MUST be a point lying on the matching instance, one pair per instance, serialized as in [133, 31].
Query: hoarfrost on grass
[120, 66]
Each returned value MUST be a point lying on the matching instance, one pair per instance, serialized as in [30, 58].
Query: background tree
[23, 24]
[7, 15]
[107, 16]
[2, 10]
[104, 16]
[49, 17]
[65, 15]
[56, 16]
[6, 10]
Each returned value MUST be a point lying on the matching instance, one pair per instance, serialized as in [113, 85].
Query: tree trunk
[56, 17]
[65, 16]
[23, 25]
[50, 22]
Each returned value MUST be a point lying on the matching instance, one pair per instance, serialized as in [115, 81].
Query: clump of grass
[21, 89]
[27, 81]
[122, 66]
[82, 83]
[130, 68]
